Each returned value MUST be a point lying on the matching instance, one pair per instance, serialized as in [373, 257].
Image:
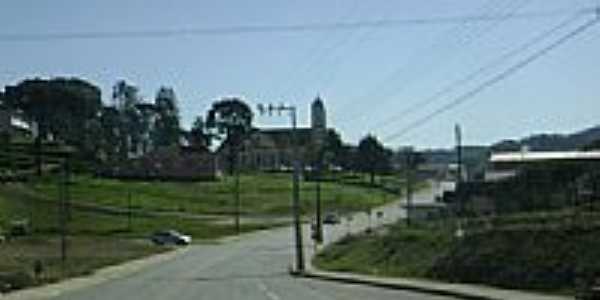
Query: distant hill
[552, 142]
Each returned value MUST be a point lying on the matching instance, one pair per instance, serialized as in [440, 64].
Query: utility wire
[295, 28]
[475, 74]
[466, 38]
[315, 55]
[490, 82]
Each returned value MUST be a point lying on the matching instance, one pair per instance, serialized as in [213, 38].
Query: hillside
[551, 260]
[552, 142]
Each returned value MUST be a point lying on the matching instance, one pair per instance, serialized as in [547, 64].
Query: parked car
[331, 219]
[170, 237]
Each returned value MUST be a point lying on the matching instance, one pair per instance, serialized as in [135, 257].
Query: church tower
[318, 116]
[318, 121]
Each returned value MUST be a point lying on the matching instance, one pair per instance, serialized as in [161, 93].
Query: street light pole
[295, 180]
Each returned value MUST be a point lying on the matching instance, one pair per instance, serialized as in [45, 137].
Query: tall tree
[61, 107]
[124, 95]
[110, 139]
[125, 98]
[166, 129]
[199, 137]
[333, 148]
[372, 157]
[230, 119]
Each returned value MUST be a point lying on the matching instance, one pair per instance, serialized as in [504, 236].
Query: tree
[230, 119]
[130, 126]
[62, 108]
[333, 148]
[595, 145]
[110, 139]
[372, 157]
[124, 95]
[166, 129]
[199, 137]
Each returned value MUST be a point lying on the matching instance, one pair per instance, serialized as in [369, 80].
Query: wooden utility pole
[64, 196]
[319, 233]
[129, 212]
[409, 188]
[459, 175]
[300, 266]
[238, 204]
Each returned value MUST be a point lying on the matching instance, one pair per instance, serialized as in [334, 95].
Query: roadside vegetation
[547, 259]
[391, 251]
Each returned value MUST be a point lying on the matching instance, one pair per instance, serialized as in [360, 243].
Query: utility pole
[409, 189]
[238, 204]
[129, 212]
[459, 175]
[64, 195]
[295, 179]
[319, 233]
[234, 148]
[319, 215]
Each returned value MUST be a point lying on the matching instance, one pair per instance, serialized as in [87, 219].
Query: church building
[271, 149]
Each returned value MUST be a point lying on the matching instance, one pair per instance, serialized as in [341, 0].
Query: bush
[527, 259]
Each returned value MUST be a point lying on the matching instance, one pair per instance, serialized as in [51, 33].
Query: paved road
[252, 267]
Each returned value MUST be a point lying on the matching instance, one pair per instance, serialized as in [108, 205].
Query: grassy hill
[260, 194]
[550, 260]
[121, 240]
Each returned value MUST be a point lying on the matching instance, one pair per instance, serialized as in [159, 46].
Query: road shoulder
[462, 291]
[99, 276]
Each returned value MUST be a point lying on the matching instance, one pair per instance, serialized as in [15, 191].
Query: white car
[170, 237]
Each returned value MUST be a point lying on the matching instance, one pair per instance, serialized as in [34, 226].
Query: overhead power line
[475, 74]
[295, 28]
[461, 39]
[323, 48]
[490, 82]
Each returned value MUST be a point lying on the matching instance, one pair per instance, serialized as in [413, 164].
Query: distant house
[272, 149]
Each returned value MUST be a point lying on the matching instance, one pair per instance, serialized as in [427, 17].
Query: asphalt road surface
[254, 266]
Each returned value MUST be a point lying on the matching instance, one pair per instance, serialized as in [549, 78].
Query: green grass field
[400, 251]
[84, 255]
[94, 240]
[260, 194]
[121, 240]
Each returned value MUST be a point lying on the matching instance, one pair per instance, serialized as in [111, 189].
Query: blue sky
[365, 75]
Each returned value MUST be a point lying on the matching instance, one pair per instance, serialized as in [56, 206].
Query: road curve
[254, 266]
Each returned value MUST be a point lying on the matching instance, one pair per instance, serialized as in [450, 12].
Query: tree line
[72, 111]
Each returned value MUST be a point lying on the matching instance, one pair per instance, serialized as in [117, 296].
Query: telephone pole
[238, 204]
[295, 179]
[409, 188]
[459, 175]
[319, 227]
[129, 212]
[64, 198]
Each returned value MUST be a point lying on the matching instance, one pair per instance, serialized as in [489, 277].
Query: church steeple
[318, 114]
